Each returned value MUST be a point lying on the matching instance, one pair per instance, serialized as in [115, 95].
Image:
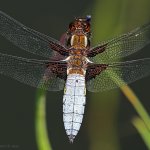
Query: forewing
[26, 38]
[123, 45]
[40, 74]
[119, 74]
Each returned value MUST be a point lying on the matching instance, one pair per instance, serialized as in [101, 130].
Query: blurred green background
[107, 120]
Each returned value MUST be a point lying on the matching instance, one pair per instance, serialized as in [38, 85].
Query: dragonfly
[72, 64]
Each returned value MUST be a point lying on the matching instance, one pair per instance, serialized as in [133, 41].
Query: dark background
[17, 101]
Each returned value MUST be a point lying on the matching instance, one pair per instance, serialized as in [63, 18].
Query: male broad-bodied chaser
[71, 64]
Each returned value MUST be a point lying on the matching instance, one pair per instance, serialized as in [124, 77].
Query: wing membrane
[32, 72]
[26, 38]
[124, 45]
[116, 73]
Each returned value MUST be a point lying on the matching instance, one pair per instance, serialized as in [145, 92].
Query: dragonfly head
[79, 31]
[80, 25]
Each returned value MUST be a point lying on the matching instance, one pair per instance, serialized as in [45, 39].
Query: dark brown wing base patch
[96, 50]
[59, 48]
[58, 68]
[94, 69]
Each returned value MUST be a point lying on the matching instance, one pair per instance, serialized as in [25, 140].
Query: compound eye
[86, 27]
[72, 27]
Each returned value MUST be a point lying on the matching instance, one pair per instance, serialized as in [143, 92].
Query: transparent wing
[26, 38]
[123, 45]
[116, 73]
[32, 72]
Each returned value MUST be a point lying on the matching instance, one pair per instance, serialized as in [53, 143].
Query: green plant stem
[134, 100]
[142, 129]
[40, 122]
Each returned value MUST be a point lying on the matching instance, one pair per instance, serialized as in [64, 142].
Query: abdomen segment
[73, 104]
